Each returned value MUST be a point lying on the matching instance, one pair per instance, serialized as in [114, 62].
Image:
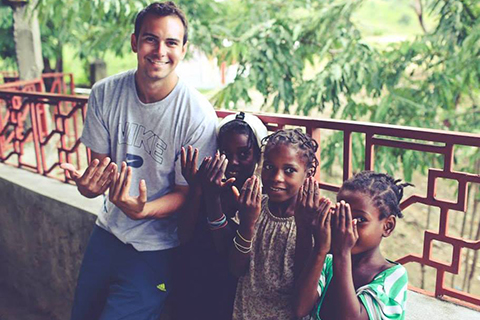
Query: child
[356, 281]
[263, 250]
[203, 281]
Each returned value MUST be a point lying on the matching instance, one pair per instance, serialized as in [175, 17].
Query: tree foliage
[303, 56]
[7, 46]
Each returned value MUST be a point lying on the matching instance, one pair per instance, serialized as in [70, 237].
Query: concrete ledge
[45, 226]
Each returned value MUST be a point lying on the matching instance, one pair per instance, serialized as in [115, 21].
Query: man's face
[159, 47]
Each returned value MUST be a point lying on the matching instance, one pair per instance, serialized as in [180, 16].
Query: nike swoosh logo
[134, 161]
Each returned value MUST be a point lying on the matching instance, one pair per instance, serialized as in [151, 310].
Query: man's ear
[133, 42]
[184, 49]
[389, 225]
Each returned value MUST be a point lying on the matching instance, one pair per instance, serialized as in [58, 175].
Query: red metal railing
[443, 143]
[66, 110]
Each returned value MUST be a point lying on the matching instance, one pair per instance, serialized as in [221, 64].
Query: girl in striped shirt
[355, 281]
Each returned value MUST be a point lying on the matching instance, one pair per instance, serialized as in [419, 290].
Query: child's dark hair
[298, 139]
[386, 192]
[162, 9]
[240, 127]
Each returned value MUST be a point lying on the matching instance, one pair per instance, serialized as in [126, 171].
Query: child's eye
[290, 170]
[360, 219]
[267, 166]
[243, 155]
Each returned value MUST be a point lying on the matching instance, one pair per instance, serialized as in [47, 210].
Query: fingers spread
[88, 174]
[255, 189]
[107, 175]
[310, 192]
[348, 217]
[71, 172]
[336, 216]
[300, 196]
[125, 187]
[195, 160]
[184, 158]
[341, 217]
[246, 189]
[316, 193]
[236, 193]
[219, 170]
[355, 229]
[327, 219]
[120, 180]
[203, 166]
[143, 191]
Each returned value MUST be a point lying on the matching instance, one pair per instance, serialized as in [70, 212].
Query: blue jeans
[118, 282]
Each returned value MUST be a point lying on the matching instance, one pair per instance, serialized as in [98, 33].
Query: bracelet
[241, 248]
[223, 216]
[218, 223]
[218, 227]
[242, 238]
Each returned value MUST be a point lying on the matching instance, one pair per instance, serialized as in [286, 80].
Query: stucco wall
[44, 229]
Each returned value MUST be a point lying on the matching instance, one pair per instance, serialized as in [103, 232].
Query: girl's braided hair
[385, 192]
[297, 138]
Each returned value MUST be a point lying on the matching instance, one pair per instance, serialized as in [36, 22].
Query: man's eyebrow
[173, 39]
[147, 34]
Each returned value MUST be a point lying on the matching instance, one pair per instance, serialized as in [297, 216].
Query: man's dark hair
[162, 9]
[385, 192]
[295, 137]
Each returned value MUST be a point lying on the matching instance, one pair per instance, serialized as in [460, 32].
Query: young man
[136, 125]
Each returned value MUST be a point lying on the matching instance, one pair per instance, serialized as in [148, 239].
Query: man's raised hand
[119, 195]
[95, 180]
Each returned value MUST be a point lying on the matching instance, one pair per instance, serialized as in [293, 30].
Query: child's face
[241, 157]
[283, 173]
[371, 228]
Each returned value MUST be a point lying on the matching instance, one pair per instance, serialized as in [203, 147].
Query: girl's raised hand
[250, 201]
[189, 159]
[212, 172]
[344, 229]
[308, 203]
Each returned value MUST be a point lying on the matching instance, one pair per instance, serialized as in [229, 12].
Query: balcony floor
[422, 307]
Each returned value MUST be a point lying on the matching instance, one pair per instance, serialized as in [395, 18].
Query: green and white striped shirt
[384, 298]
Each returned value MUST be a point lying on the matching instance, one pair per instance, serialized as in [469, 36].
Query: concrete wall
[44, 229]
